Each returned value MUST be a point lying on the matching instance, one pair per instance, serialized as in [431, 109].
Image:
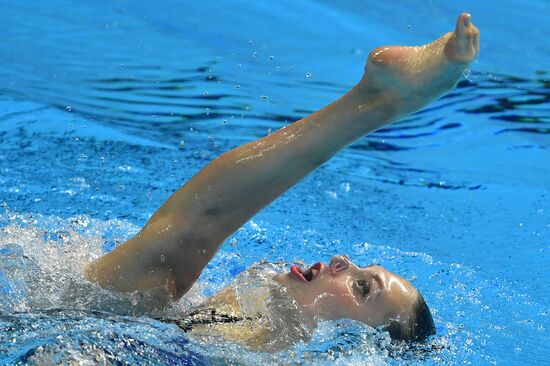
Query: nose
[338, 263]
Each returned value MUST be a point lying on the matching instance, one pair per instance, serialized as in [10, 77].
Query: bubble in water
[68, 108]
[264, 97]
[162, 258]
[345, 187]
[182, 144]
[332, 194]
[308, 75]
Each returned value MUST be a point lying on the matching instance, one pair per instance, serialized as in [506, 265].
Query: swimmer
[169, 253]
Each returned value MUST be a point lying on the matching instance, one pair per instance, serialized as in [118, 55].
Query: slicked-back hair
[419, 326]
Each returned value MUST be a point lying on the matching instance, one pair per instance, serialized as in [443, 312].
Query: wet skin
[178, 241]
[409, 76]
[372, 294]
[418, 74]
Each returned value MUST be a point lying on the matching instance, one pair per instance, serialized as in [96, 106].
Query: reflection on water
[515, 100]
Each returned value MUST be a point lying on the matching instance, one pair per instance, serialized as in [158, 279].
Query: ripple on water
[44, 316]
[460, 179]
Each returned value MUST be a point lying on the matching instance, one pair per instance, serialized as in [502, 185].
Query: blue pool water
[107, 107]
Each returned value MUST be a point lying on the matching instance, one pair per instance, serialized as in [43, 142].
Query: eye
[363, 286]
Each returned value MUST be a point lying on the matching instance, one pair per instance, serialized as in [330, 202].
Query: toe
[462, 23]
[465, 18]
[465, 42]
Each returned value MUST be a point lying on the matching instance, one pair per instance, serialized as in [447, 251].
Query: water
[107, 108]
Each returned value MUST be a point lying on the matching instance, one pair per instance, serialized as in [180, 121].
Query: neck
[306, 310]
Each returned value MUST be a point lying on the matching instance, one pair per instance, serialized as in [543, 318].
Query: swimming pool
[106, 108]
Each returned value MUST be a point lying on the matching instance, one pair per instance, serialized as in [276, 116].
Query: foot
[417, 75]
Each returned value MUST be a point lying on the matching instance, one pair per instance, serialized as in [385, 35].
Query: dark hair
[419, 326]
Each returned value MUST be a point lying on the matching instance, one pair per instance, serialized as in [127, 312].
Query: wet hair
[419, 326]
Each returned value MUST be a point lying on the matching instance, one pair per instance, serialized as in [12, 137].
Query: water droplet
[238, 86]
[205, 92]
[271, 57]
[182, 144]
[68, 108]
[254, 54]
[345, 187]
[332, 194]
[409, 27]
[264, 97]
[162, 258]
[308, 75]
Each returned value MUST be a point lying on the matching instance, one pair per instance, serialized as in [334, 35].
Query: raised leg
[175, 245]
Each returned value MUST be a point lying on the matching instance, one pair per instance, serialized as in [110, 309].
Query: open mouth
[307, 275]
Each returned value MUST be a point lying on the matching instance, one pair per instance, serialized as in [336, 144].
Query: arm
[184, 234]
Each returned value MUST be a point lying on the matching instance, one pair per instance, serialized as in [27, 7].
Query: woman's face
[340, 289]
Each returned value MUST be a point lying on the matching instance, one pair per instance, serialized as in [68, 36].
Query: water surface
[107, 108]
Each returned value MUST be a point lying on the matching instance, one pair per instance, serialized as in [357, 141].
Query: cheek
[331, 289]
[336, 300]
